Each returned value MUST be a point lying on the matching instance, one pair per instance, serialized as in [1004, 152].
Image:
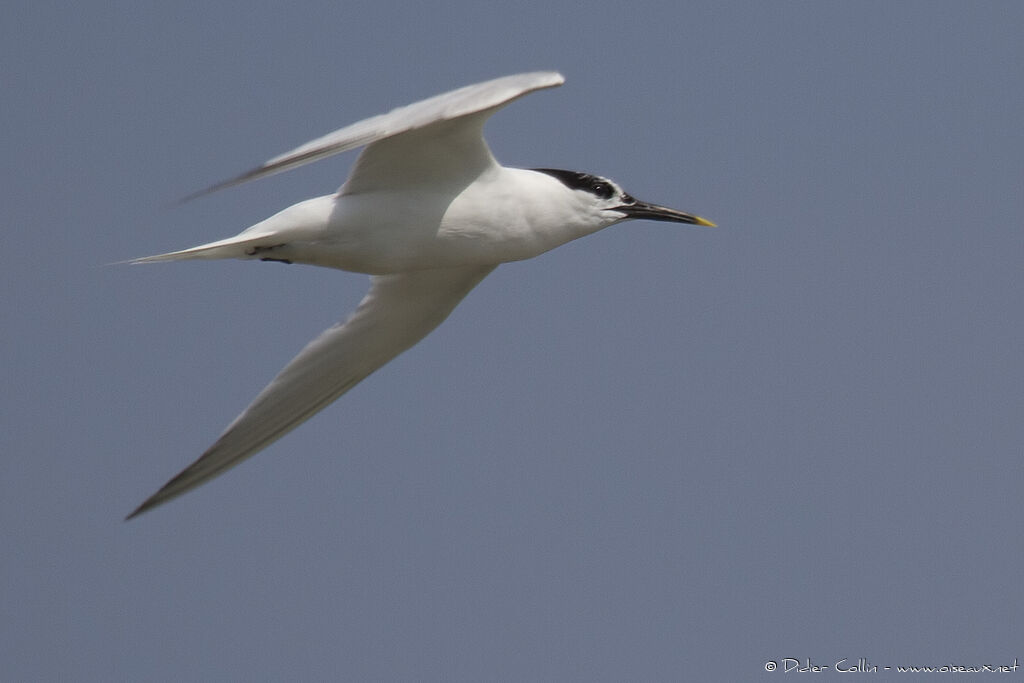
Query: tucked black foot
[259, 250]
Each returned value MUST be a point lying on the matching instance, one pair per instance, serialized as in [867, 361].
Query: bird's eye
[602, 189]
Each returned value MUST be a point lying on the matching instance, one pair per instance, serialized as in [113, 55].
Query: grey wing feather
[397, 312]
[445, 107]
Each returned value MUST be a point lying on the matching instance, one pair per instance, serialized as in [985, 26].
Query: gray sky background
[658, 453]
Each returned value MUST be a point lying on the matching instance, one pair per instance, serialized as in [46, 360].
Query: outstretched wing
[397, 312]
[484, 98]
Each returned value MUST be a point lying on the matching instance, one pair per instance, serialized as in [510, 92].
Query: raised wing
[397, 312]
[472, 99]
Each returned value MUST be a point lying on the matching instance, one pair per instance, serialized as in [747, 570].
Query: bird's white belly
[381, 234]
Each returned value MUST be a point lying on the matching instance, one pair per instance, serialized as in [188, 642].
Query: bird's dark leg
[253, 251]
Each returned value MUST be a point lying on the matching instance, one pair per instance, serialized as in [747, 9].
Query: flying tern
[427, 212]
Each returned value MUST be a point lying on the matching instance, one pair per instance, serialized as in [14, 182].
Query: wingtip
[169, 491]
[214, 188]
[181, 201]
[549, 79]
[146, 505]
[556, 77]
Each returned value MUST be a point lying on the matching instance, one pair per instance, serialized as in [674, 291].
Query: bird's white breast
[505, 215]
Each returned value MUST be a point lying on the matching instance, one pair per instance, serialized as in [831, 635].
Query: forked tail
[238, 247]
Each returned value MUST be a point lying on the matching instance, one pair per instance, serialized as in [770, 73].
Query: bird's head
[612, 204]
